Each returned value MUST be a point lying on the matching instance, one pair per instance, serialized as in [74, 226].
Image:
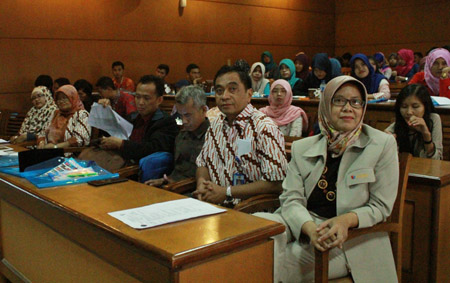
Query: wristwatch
[229, 192]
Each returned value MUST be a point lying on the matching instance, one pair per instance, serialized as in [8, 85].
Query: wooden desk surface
[432, 172]
[173, 244]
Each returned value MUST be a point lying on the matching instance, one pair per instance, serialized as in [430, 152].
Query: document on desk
[165, 212]
[108, 120]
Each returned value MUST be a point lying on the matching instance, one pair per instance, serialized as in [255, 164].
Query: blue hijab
[335, 68]
[373, 79]
[288, 62]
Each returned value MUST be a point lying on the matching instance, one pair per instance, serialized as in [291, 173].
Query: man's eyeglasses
[354, 102]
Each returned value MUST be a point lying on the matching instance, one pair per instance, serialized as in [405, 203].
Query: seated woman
[384, 68]
[376, 84]
[272, 71]
[301, 62]
[436, 73]
[345, 177]
[84, 89]
[259, 83]
[336, 69]
[69, 125]
[287, 72]
[406, 67]
[321, 66]
[38, 117]
[291, 120]
[417, 127]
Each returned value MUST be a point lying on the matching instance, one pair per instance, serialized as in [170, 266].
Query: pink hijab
[408, 56]
[285, 113]
[432, 81]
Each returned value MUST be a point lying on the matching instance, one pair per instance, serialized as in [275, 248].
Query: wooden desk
[426, 229]
[65, 234]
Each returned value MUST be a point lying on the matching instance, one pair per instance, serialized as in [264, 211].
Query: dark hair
[446, 47]
[419, 54]
[105, 82]
[117, 63]
[164, 67]
[62, 81]
[190, 67]
[339, 58]
[44, 80]
[347, 56]
[83, 85]
[244, 77]
[401, 128]
[159, 83]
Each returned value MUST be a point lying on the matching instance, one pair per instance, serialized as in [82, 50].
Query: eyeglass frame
[349, 101]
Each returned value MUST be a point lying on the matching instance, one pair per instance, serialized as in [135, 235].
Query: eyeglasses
[40, 95]
[354, 102]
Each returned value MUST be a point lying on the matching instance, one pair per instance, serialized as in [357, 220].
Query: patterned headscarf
[58, 126]
[285, 113]
[37, 119]
[432, 81]
[408, 56]
[338, 141]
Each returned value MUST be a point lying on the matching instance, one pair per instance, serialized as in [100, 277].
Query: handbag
[110, 160]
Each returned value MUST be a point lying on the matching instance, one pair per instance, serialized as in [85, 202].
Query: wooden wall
[81, 38]
[369, 26]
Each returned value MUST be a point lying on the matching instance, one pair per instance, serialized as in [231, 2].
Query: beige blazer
[367, 185]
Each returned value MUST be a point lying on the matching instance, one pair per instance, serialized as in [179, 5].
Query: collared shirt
[266, 160]
[125, 104]
[125, 84]
[140, 124]
[187, 147]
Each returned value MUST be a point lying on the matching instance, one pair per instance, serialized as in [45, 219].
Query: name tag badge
[244, 146]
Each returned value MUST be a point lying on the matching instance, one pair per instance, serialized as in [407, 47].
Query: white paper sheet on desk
[441, 100]
[108, 120]
[165, 212]
[8, 152]
[3, 141]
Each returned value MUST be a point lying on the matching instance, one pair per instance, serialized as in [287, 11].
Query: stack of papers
[108, 120]
[440, 101]
[165, 212]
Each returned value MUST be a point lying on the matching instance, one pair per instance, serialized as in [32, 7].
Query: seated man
[121, 82]
[191, 105]
[162, 71]
[121, 102]
[194, 77]
[243, 154]
[153, 131]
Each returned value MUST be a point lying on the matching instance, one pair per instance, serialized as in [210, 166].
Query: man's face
[161, 73]
[117, 72]
[191, 115]
[108, 92]
[147, 100]
[231, 96]
[194, 74]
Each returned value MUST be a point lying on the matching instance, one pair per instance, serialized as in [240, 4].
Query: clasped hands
[210, 192]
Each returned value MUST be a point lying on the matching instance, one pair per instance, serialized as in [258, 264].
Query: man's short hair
[62, 81]
[245, 78]
[159, 83]
[105, 82]
[84, 86]
[164, 67]
[44, 80]
[190, 67]
[117, 63]
[192, 91]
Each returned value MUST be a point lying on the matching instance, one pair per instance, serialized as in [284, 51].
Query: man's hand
[110, 143]
[104, 101]
[155, 182]
[214, 193]
[201, 189]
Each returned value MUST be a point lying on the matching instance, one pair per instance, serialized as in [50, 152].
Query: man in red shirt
[120, 82]
[121, 102]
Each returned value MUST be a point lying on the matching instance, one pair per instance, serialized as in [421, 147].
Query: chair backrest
[259, 203]
[446, 139]
[12, 121]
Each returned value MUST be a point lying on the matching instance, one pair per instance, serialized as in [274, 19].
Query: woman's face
[38, 100]
[63, 102]
[320, 74]
[438, 65]
[401, 61]
[298, 66]
[361, 69]
[83, 96]
[279, 93]
[285, 72]
[392, 61]
[257, 74]
[345, 118]
[412, 106]
[266, 59]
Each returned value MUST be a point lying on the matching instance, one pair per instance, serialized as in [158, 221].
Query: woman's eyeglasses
[354, 102]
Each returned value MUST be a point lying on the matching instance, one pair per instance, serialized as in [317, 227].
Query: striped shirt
[266, 160]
